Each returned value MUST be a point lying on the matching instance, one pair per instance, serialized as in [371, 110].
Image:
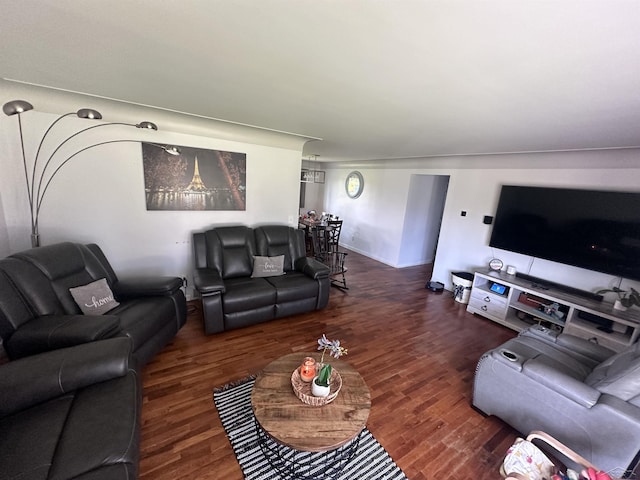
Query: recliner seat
[583, 394]
[38, 312]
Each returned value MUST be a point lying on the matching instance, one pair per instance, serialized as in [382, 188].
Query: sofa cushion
[230, 251]
[527, 348]
[247, 294]
[65, 265]
[56, 261]
[59, 331]
[273, 240]
[268, 266]
[95, 298]
[141, 318]
[237, 262]
[619, 375]
[294, 286]
[28, 439]
[101, 428]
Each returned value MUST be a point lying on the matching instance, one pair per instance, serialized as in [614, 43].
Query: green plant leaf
[622, 294]
[324, 376]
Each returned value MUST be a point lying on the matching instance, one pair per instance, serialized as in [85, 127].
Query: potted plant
[626, 298]
[320, 384]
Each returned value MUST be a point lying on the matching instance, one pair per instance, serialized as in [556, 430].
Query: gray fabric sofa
[583, 394]
[71, 413]
[38, 312]
[233, 298]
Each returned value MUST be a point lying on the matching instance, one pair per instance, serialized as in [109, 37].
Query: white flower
[333, 346]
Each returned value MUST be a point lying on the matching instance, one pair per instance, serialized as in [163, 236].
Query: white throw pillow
[268, 266]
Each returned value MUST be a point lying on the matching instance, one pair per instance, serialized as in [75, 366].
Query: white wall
[99, 195]
[425, 204]
[373, 223]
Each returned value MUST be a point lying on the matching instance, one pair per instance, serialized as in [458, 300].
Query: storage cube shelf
[583, 317]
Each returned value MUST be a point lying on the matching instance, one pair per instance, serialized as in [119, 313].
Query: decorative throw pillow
[95, 298]
[268, 266]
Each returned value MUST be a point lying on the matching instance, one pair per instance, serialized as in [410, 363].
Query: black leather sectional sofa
[70, 399]
[233, 296]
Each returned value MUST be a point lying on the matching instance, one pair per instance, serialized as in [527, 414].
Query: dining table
[308, 224]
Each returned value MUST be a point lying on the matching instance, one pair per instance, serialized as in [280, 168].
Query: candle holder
[308, 369]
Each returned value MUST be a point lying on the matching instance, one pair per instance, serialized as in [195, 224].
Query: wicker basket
[302, 389]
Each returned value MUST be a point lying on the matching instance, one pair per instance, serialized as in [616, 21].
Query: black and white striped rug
[370, 462]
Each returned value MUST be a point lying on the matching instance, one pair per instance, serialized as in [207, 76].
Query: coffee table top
[291, 422]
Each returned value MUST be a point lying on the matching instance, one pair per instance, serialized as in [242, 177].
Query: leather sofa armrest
[555, 379]
[32, 380]
[585, 347]
[312, 268]
[208, 281]
[146, 287]
[50, 332]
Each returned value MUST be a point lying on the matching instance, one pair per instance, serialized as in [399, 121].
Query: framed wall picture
[307, 176]
[318, 176]
[194, 179]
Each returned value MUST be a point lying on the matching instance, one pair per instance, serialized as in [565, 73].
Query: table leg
[299, 465]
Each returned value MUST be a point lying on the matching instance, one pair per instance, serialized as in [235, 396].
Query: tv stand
[519, 303]
[546, 285]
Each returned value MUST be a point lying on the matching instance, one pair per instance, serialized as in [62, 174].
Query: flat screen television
[592, 229]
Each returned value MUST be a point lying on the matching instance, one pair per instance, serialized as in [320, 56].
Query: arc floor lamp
[38, 179]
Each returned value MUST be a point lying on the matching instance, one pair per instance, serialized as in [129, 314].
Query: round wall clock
[354, 184]
[495, 264]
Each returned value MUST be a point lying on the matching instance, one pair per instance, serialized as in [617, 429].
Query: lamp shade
[147, 125]
[172, 150]
[16, 106]
[89, 113]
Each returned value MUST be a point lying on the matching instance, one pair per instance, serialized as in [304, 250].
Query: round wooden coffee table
[333, 429]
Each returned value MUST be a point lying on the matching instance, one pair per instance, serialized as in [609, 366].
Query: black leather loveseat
[71, 413]
[38, 312]
[235, 295]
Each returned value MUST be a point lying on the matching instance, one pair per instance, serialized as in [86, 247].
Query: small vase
[319, 390]
[618, 306]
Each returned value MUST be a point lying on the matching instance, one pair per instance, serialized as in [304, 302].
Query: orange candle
[308, 369]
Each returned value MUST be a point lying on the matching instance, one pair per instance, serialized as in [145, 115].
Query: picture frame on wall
[194, 179]
[318, 176]
[307, 176]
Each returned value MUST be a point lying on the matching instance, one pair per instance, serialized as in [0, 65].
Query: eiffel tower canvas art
[194, 179]
[196, 184]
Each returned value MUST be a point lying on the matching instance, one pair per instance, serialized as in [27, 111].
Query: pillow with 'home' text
[268, 266]
[95, 298]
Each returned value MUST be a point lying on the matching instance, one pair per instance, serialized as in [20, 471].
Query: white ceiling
[372, 78]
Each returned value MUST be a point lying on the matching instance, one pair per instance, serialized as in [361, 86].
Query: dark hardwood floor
[417, 351]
